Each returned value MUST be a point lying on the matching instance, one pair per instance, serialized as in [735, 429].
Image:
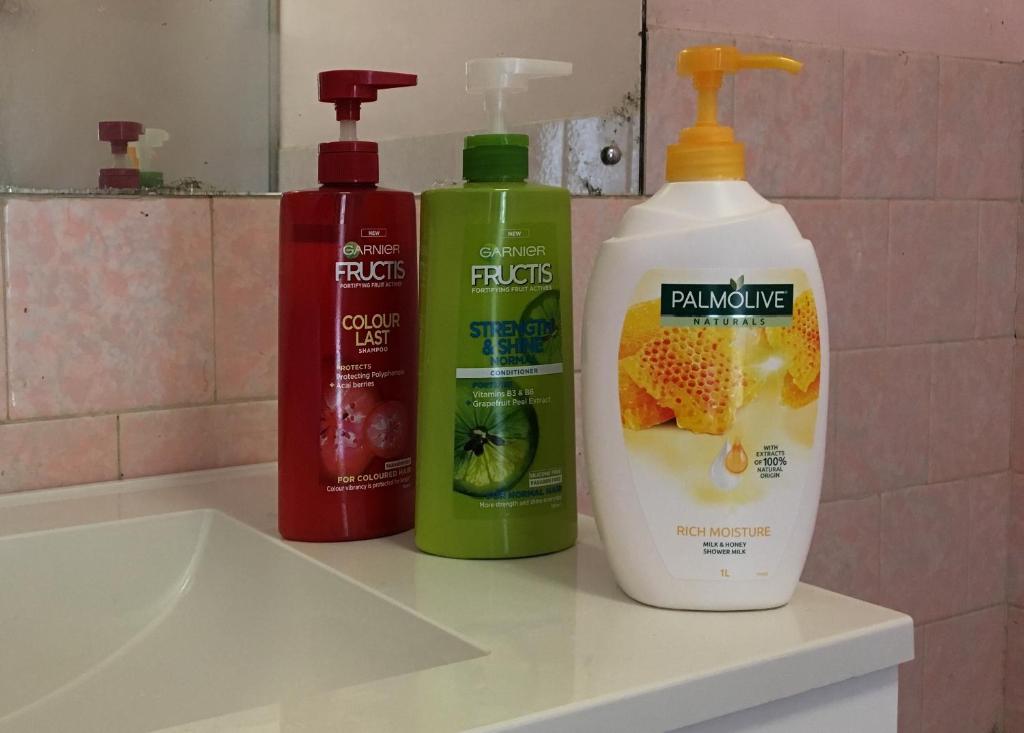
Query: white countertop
[565, 648]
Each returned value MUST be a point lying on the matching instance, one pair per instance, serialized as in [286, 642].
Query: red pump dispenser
[119, 133]
[347, 338]
[348, 160]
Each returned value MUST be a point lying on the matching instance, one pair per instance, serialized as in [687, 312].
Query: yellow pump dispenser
[709, 151]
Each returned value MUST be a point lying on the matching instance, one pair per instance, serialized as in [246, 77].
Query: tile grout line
[117, 445]
[885, 330]
[977, 266]
[880, 598]
[213, 300]
[148, 409]
[938, 116]
[645, 46]
[912, 487]
[1012, 399]
[972, 490]
[914, 344]
[5, 309]
[952, 616]
[888, 267]
[888, 274]
[931, 410]
[842, 137]
[1020, 134]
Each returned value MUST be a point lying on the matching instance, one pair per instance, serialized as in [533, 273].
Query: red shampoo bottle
[347, 338]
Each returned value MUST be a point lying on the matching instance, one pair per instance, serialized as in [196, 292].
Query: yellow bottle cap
[709, 151]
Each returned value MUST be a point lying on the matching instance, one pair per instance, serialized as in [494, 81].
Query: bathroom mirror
[233, 85]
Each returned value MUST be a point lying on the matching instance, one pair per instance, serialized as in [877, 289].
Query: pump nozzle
[496, 77]
[121, 173]
[350, 160]
[709, 151]
[144, 153]
[498, 155]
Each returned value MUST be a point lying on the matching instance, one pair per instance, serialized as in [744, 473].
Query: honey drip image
[736, 459]
[702, 377]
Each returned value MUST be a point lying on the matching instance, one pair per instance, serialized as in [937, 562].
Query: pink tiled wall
[139, 334]
[898, 153]
[141, 337]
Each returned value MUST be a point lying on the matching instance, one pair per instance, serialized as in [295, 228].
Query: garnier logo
[351, 250]
[489, 252]
[735, 303]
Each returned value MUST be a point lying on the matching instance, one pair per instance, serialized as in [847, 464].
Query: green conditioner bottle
[496, 470]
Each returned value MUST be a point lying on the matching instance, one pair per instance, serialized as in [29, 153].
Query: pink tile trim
[792, 126]
[109, 304]
[890, 104]
[970, 409]
[37, 455]
[1015, 554]
[1017, 403]
[911, 692]
[1018, 321]
[882, 417]
[963, 672]
[245, 243]
[851, 239]
[844, 553]
[1015, 670]
[807, 20]
[955, 29]
[933, 251]
[981, 113]
[925, 548]
[997, 267]
[987, 570]
[193, 438]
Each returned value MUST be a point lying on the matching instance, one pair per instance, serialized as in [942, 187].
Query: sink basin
[197, 615]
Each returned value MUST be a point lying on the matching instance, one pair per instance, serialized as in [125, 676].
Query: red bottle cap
[353, 161]
[119, 178]
[119, 133]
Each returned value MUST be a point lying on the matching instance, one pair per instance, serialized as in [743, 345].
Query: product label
[366, 425]
[509, 443]
[719, 380]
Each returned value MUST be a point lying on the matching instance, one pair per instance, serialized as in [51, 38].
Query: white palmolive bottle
[705, 378]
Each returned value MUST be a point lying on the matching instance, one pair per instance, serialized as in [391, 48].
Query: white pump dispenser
[148, 144]
[496, 77]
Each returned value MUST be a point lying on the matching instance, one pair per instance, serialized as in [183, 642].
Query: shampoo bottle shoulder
[705, 378]
[347, 338]
[495, 440]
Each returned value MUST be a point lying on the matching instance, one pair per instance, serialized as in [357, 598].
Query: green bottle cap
[496, 157]
[151, 179]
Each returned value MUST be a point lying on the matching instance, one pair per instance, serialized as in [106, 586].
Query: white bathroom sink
[145, 624]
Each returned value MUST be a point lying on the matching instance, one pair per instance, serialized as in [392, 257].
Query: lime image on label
[495, 438]
[545, 307]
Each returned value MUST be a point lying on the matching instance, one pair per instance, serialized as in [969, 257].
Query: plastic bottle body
[347, 363]
[496, 452]
[681, 530]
